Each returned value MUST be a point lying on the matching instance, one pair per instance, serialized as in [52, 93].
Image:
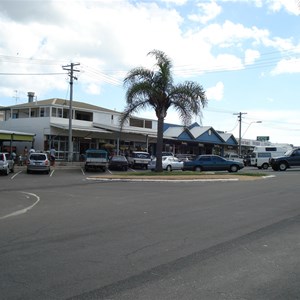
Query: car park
[38, 162]
[212, 163]
[118, 162]
[6, 163]
[169, 163]
[290, 159]
[139, 159]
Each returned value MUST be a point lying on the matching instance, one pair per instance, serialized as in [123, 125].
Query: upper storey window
[140, 123]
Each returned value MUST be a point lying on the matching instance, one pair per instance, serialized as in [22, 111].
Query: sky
[244, 53]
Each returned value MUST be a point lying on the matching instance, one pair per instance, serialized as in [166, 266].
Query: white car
[169, 163]
[6, 163]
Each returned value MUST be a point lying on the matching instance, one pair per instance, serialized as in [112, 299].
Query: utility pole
[240, 130]
[71, 70]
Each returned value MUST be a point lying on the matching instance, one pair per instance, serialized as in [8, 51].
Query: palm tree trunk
[159, 143]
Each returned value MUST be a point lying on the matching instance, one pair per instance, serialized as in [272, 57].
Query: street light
[250, 125]
[240, 136]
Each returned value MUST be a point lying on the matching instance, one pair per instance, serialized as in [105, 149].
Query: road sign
[262, 138]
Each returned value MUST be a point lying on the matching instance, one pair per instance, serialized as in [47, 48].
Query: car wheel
[198, 169]
[233, 168]
[265, 166]
[169, 168]
[28, 171]
[282, 166]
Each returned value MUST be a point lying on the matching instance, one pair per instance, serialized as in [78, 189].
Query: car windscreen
[141, 155]
[96, 154]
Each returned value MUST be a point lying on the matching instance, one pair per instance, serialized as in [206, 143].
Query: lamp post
[250, 125]
[240, 139]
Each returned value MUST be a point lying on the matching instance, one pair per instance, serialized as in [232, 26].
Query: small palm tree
[155, 89]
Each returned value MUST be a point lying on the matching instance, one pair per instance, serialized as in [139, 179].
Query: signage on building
[262, 138]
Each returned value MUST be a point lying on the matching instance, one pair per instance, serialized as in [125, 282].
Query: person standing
[52, 156]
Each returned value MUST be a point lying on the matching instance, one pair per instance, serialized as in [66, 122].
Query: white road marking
[12, 177]
[82, 171]
[24, 210]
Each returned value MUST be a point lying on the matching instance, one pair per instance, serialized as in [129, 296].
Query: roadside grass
[185, 173]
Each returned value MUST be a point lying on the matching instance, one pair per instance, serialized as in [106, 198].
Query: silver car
[38, 162]
[6, 163]
[169, 163]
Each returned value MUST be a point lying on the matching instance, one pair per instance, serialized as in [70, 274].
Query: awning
[6, 135]
[86, 130]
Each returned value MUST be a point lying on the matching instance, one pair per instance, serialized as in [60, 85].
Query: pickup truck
[96, 160]
[289, 159]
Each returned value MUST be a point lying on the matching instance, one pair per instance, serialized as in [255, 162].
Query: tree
[155, 89]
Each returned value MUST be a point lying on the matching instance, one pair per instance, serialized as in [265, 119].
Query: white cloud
[251, 56]
[176, 2]
[291, 6]
[216, 92]
[291, 65]
[207, 12]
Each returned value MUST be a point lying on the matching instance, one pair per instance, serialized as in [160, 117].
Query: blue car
[212, 163]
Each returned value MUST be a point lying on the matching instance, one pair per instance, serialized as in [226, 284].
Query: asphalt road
[65, 237]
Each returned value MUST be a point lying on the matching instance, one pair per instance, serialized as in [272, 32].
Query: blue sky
[246, 55]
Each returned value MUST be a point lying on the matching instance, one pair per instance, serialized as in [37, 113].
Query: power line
[32, 74]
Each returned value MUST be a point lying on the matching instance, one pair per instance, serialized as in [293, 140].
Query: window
[140, 123]
[271, 149]
[148, 124]
[263, 154]
[136, 123]
[84, 116]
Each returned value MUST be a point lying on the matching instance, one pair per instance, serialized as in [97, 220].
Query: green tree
[155, 89]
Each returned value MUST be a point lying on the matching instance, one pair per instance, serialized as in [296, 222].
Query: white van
[261, 155]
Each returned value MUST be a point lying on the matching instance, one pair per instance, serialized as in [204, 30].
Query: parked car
[6, 163]
[289, 159]
[212, 163]
[38, 162]
[139, 159]
[233, 156]
[118, 162]
[185, 157]
[96, 159]
[169, 163]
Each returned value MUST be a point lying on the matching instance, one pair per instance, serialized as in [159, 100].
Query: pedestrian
[52, 156]
[31, 150]
[25, 152]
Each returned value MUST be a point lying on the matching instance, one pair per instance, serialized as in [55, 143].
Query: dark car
[118, 162]
[290, 159]
[212, 163]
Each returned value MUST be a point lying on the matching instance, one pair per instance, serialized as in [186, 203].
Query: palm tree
[155, 89]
